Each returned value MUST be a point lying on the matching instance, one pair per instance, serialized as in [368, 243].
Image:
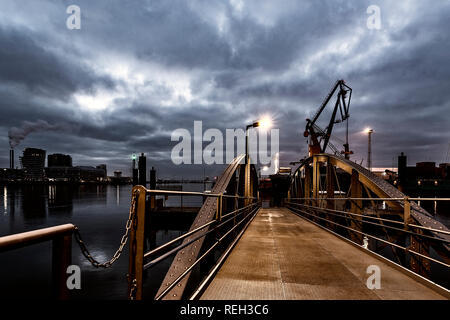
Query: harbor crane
[319, 139]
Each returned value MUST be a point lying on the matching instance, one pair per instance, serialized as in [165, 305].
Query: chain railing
[123, 241]
[62, 247]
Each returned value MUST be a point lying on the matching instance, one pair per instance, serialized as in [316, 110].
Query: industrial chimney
[11, 159]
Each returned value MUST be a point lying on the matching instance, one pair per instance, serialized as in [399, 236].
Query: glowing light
[265, 123]
[368, 130]
[265, 168]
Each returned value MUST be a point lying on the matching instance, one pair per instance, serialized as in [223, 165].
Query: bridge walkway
[282, 256]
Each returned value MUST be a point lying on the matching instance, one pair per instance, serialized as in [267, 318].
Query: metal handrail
[61, 236]
[213, 271]
[374, 199]
[351, 213]
[194, 193]
[218, 241]
[372, 217]
[373, 223]
[376, 238]
[139, 259]
[167, 244]
[240, 209]
[181, 246]
[24, 239]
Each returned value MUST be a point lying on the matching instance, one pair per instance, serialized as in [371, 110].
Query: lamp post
[369, 149]
[264, 123]
[253, 125]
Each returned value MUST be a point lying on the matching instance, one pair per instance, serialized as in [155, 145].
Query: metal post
[61, 259]
[356, 205]
[308, 179]
[137, 236]
[369, 151]
[330, 186]
[331, 204]
[418, 264]
[316, 177]
[247, 167]
[406, 212]
[219, 208]
[247, 183]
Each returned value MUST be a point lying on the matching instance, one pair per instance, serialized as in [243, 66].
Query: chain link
[123, 241]
[133, 290]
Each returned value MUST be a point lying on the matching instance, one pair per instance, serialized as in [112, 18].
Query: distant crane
[319, 138]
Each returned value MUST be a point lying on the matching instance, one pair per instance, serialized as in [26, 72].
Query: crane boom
[319, 139]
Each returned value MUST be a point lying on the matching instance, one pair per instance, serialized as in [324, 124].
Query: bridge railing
[61, 237]
[141, 260]
[329, 218]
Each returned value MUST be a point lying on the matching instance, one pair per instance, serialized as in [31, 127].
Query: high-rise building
[33, 161]
[59, 160]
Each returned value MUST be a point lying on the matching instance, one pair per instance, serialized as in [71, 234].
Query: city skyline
[134, 73]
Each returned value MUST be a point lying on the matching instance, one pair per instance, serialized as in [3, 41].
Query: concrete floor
[282, 256]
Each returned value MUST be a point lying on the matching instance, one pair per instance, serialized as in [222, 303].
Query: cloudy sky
[137, 70]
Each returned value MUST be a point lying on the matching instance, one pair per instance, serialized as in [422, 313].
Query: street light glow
[265, 123]
[368, 130]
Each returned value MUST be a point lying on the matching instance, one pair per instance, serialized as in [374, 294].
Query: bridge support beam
[300, 192]
[316, 177]
[247, 189]
[308, 180]
[418, 264]
[356, 205]
[330, 192]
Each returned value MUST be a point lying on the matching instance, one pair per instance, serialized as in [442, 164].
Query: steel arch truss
[349, 199]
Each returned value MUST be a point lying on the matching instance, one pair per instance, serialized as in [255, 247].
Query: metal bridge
[337, 215]
[336, 219]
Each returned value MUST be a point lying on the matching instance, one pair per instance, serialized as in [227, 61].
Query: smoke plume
[16, 135]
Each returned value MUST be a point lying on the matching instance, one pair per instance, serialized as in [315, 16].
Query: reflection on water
[100, 211]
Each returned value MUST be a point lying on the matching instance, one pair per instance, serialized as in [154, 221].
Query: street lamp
[264, 123]
[369, 148]
[253, 125]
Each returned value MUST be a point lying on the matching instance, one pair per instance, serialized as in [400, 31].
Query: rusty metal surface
[282, 256]
[187, 256]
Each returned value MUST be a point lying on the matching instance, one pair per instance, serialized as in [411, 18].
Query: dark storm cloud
[136, 71]
[23, 61]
